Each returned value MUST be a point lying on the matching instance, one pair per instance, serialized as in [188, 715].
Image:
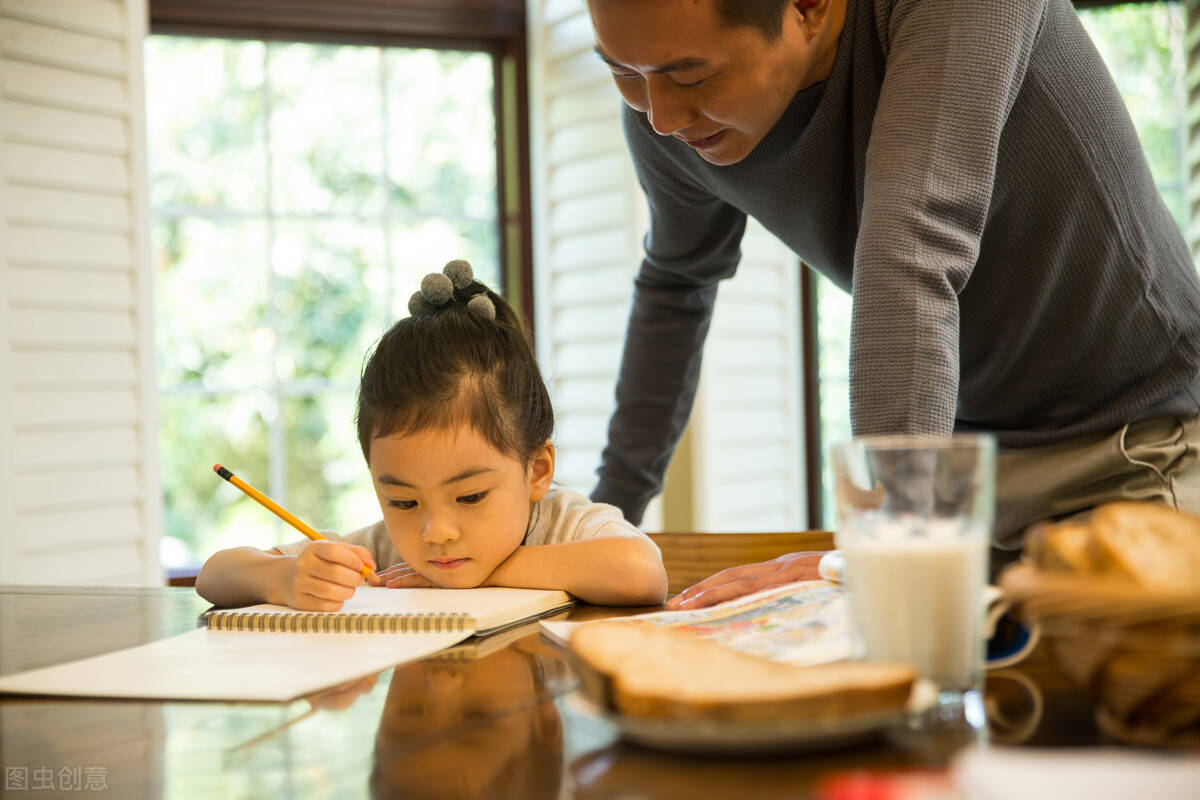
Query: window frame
[496, 27]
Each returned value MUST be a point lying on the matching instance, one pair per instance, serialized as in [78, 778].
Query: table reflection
[496, 717]
[486, 727]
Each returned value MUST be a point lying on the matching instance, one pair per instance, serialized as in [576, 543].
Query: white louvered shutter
[587, 247]
[78, 428]
[744, 467]
[747, 427]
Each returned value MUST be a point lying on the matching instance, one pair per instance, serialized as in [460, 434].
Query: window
[1143, 45]
[299, 192]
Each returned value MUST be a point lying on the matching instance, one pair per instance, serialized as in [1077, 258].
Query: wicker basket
[1136, 652]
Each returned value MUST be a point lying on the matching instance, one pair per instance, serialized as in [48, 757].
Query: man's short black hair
[766, 15]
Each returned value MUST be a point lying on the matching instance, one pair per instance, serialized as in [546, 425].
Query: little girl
[455, 422]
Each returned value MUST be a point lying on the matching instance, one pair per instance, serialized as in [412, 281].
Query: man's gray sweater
[969, 173]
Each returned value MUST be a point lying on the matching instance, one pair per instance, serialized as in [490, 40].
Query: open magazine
[800, 623]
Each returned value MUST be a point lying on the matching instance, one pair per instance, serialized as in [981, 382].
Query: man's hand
[747, 579]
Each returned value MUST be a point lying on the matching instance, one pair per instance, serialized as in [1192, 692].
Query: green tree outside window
[299, 192]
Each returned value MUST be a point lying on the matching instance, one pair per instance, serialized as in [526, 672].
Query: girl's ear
[541, 471]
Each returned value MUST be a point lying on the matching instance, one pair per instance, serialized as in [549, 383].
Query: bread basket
[1136, 650]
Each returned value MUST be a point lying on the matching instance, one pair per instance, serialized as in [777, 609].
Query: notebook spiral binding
[300, 622]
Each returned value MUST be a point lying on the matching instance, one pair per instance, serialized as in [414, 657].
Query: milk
[915, 590]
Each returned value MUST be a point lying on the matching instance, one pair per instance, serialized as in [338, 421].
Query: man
[967, 170]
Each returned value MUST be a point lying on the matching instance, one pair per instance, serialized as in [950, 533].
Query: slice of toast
[650, 671]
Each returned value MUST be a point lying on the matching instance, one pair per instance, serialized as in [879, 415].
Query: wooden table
[508, 723]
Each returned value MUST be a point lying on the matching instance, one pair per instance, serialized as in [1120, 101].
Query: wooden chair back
[688, 557]
[692, 557]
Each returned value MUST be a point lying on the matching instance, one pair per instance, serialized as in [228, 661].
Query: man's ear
[541, 471]
[811, 13]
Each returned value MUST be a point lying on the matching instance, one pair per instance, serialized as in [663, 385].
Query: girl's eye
[692, 84]
[406, 505]
[627, 76]
[472, 499]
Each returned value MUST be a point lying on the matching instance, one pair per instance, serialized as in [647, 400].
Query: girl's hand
[403, 576]
[342, 696]
[325, 575]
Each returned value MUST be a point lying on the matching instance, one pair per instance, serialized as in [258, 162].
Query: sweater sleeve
[954, 68]
[692, 244]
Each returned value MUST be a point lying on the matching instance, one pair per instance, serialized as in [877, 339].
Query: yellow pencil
[278, 510]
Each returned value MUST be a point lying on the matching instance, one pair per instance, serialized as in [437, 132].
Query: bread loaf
[1065, 547]
[651, 671]
[1151, 545]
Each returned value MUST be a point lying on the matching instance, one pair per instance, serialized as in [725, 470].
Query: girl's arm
[321, 578]
[606, 570]
[242, 576]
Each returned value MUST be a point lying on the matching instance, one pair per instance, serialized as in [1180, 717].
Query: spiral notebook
[275, 653]
[376, 609]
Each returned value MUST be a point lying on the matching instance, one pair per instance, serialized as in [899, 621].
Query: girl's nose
[439, 529]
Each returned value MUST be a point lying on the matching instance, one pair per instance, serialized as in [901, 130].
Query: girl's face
[456, 507]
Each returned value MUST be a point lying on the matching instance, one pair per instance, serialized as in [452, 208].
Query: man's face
[718, 88]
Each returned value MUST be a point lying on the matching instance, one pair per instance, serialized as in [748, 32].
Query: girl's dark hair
[453, 366]
[766, 15]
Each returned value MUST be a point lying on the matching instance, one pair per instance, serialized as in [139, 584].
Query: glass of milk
[914, 525]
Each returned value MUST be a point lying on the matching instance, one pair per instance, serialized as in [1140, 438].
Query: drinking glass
[914, 524]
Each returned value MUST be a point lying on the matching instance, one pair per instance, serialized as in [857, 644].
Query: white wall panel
[100, 17]
[65, 88]
[74, 328]
[89, 132]
[58, 368]
[83, 488]
[63, 287]
[64, 168]
[78, 210]
[56, 531]
[53, 44]
[29, 245]
[79, 499]
[75, 449]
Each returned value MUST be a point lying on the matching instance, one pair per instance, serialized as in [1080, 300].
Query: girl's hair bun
[456, 280]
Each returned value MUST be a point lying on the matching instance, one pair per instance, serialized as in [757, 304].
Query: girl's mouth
[449, 563]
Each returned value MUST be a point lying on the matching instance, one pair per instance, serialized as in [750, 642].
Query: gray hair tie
[438, 288]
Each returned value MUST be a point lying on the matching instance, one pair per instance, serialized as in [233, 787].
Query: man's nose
[667, 108]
